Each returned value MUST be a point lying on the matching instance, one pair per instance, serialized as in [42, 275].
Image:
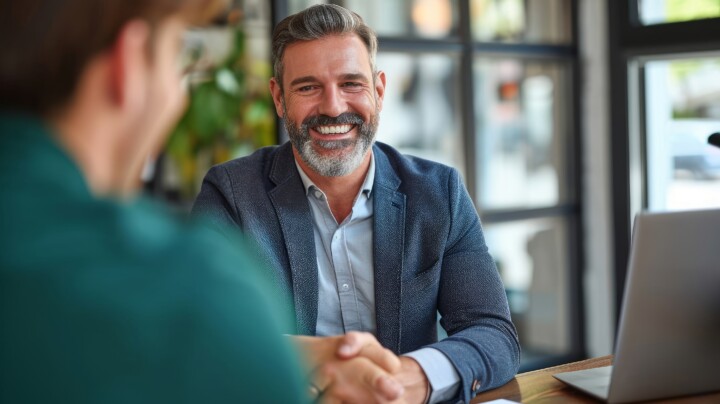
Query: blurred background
[565, 118]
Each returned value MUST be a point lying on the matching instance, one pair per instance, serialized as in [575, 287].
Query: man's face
[330, 101]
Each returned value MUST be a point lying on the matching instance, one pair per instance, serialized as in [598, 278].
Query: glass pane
[536, 21]
[683, 108]
[663, 11]
[400, 18]
[421, 110]
[522, 120]
[532, 259]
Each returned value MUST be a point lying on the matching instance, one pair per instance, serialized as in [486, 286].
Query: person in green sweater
[106, 297]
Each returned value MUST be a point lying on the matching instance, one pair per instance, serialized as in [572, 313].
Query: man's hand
[357, 380]
[351, 368]
[413, 378]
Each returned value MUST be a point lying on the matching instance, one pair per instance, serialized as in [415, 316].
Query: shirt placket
[345, 282]
[340, 263]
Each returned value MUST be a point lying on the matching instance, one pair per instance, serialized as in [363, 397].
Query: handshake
[355, 368]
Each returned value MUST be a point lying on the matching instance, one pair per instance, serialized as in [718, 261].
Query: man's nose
[332, 103]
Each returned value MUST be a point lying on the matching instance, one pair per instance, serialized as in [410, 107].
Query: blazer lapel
[389, 237]
[291, 205]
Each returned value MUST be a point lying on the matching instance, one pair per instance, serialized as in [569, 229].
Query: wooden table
[540, 387]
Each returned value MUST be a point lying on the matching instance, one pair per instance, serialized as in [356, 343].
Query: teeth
[331, 130]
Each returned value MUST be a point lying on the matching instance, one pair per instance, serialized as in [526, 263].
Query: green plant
[229, 114]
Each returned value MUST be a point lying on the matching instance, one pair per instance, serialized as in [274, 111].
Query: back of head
[317, 22]
[46, 44]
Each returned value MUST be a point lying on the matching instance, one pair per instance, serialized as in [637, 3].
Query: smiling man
[359, 236]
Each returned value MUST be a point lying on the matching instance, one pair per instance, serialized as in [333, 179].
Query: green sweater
[110, 302]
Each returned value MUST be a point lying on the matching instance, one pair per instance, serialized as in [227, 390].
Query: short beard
[336, 164]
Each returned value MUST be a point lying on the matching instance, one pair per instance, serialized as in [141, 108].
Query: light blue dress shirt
[346, 284]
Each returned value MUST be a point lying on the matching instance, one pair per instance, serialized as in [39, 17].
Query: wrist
[413, 378]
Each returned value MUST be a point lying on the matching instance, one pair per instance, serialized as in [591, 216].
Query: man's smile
[334, 129]
[332, 133]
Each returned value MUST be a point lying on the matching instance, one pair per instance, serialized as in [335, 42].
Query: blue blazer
[429, 255]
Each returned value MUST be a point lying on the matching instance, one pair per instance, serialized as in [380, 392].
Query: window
[521, 110]
[421, 111]
[665, 11]
[543, 21]
[533, 260]
[664, 65]
[488, 87]
[682, 108]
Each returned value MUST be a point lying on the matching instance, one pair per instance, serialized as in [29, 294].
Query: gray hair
[317, 22]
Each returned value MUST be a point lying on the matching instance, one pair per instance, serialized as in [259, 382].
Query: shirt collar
[366, 186]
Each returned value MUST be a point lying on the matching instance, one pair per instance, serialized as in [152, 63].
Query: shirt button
[476, 385]
[318, 194]
[345, 286]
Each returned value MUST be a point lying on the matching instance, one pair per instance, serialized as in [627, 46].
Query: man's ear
[129, 62]
[277, 95]
[380, 88]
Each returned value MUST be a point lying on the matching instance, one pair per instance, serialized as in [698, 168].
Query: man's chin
[323, 146]
[339, 162]
[334, 153]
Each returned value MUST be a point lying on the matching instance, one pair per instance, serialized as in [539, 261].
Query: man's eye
[305, 88]
[352, 84]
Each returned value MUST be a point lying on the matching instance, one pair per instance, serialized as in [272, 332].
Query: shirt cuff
[444, 379]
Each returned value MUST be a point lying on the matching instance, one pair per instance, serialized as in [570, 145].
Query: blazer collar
[283, 165]
[388, 250]
[385, 174]
[293, 212]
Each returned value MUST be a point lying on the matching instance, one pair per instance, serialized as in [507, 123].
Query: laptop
[668, 341]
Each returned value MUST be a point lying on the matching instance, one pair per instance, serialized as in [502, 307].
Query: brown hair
[314, 23]
[46, 44]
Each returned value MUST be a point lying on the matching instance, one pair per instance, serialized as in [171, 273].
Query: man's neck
[90, 145]
[340, 191]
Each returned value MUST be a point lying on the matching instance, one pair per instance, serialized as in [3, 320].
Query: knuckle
[327, 371]
[390, 358]
[362, 362]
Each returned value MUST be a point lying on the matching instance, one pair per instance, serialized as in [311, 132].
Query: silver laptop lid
[669, 336]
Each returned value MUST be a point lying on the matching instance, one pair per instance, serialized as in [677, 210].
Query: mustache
[346, 118]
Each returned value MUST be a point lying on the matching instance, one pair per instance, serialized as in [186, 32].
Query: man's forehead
[334, 43]
[344, 37]
[333, 55]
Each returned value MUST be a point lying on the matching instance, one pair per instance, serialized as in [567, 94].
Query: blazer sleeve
[482, 341]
